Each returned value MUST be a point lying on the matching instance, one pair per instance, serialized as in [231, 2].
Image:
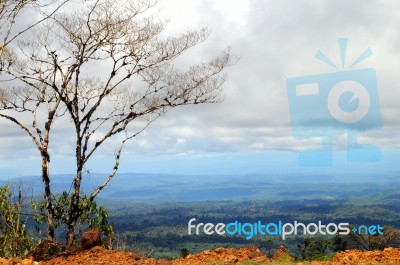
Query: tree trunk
[47, 194]
[70, 234]
[74, 208]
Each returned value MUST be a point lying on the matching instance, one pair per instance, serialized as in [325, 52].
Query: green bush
[14, 240]
[91, 215]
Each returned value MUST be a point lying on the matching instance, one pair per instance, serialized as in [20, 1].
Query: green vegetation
[160, 230]
[14, 238]
[91, 216]
[317, 249]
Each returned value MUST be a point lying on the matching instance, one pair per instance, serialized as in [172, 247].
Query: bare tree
[30, 97]
[137, 83]
[15, 104]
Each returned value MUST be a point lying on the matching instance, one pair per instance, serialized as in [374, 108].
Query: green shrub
[91, 215]
[14, 240]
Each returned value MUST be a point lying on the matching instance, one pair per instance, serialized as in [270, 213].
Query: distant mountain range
[165, 188]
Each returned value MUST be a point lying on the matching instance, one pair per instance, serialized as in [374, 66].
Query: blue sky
[251, 130]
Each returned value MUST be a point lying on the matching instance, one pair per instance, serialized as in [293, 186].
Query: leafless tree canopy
[109, 67]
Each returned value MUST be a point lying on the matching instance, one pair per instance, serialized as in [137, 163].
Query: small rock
[91, 239]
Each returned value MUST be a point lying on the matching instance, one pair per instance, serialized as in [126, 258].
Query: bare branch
[23, 127]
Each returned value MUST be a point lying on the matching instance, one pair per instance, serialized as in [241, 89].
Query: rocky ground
[99, 255]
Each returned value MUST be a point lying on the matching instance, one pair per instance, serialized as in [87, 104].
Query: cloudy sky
[250, 131]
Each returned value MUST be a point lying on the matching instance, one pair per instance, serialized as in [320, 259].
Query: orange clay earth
[99, 255]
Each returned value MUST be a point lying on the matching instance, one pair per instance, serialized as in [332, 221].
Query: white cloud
[274, 40]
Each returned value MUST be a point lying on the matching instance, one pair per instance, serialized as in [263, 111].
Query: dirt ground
[99, 255]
